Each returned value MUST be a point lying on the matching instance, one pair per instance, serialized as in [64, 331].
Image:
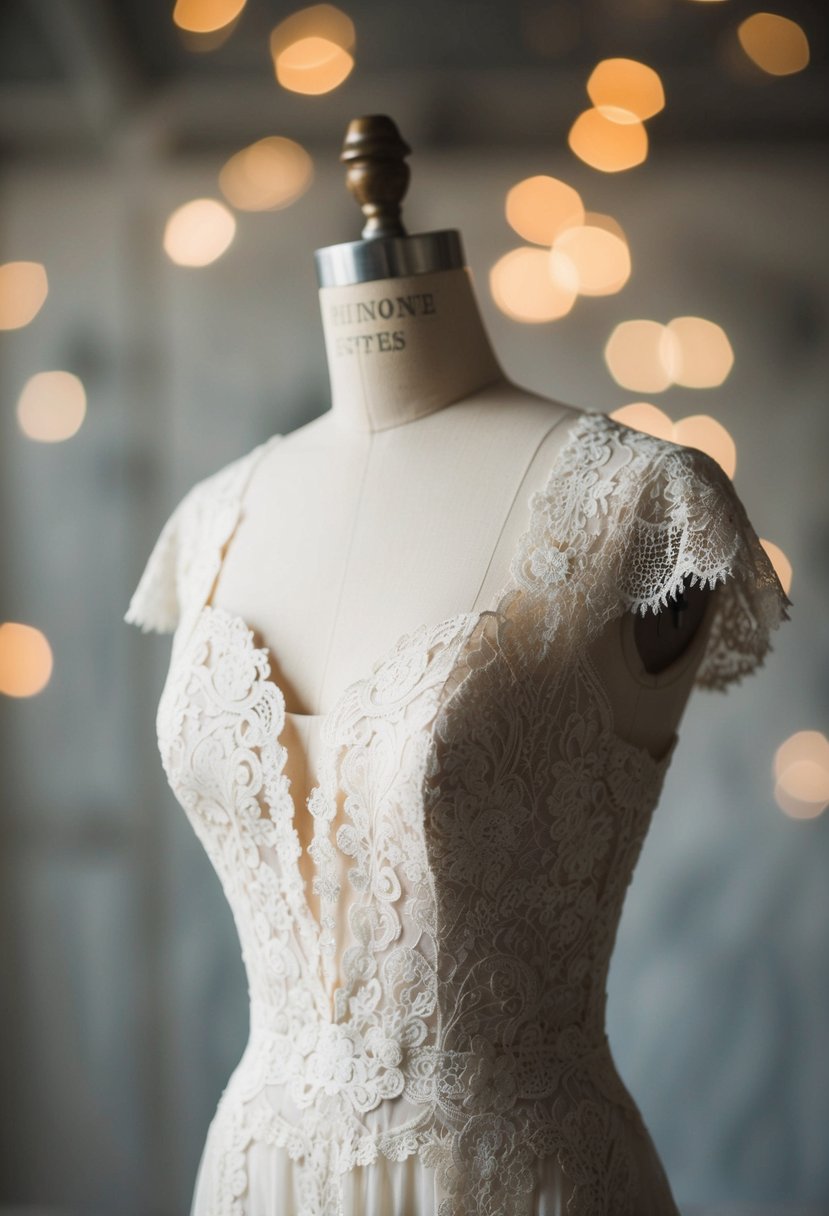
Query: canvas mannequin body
[403, 504]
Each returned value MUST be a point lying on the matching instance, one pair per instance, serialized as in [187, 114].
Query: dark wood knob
[376, 172]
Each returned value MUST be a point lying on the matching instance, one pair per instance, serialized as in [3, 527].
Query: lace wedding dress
[430, 1041]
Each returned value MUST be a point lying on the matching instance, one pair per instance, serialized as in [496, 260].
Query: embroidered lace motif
[477, 821]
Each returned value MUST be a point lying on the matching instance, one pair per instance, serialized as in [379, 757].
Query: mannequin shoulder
[215, 496]
[227, 482]
[199, 522]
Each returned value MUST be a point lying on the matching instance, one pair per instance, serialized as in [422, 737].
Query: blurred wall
[124, 1000]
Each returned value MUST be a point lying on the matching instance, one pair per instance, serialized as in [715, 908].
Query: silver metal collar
[388, 257]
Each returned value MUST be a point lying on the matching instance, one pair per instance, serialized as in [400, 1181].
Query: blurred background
[641, 187]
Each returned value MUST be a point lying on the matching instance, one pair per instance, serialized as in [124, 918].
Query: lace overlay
[476, 823]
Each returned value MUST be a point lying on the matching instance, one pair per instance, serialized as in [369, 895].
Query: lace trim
[690, 523]
[486, 1167]
[645, 514]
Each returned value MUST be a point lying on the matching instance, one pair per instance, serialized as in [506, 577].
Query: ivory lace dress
[432, 1042]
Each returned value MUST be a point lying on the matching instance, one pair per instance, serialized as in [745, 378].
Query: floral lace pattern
[476, 823]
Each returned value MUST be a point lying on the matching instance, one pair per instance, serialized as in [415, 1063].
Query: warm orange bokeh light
[633, 356]
[598, 220]
[704, 432]
[538, 208]
[801, 770]
[270, 174]
[627, 84]
[697, 352]
[609, 138]
[524, 290]
[25, 660]
[313, 66]
[23, 289]
[595, 259]
[642, 416]
[802, 745]
[311, 49]
[318, 21]
[775, 44]
[205, 16]
[199, 232]
[648, 357]
[782, 565]
[51, 407]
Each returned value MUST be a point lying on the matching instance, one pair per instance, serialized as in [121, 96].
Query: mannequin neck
[401, 348]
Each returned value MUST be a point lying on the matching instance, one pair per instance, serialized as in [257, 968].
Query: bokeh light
[627, 84]
[51, 407]
[645, 417]
[23, 290]
[523, 288]
[782, 565]
[206, 16]
[696, 352]
[706, 433]
[538, 208]
[270, 174]
[595, 259]
[775, 44]
[633, 355]
[609, 138]
[598, 219]
[648, 357]
[199, 232]
[311, 49]
[801, 771]
[25, 660]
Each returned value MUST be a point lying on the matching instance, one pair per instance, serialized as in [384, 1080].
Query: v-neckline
[502, 595]
[323, 965]
[426, 631]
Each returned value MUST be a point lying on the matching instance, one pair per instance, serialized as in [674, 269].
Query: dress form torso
[404, 505]
[426, 857]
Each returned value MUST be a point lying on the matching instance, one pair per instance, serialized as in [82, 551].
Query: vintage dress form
[407, 719]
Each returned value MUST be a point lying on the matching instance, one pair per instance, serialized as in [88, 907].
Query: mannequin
[419, 733]
[408, 497]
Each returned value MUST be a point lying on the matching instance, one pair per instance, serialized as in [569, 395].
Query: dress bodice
[475, 824]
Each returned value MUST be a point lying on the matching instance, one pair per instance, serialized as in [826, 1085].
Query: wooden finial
[376, 173]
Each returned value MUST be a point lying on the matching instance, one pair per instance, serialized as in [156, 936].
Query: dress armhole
[678, 668]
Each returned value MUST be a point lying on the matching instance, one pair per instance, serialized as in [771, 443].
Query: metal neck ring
[388, 257]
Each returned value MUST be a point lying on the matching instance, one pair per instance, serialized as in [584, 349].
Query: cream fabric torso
[427, 922]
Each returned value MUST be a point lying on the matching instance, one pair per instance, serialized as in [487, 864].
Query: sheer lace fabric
[427, 1034]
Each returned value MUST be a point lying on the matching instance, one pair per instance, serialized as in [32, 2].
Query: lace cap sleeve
[187, 555]
[156, 602]
[689, 521]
